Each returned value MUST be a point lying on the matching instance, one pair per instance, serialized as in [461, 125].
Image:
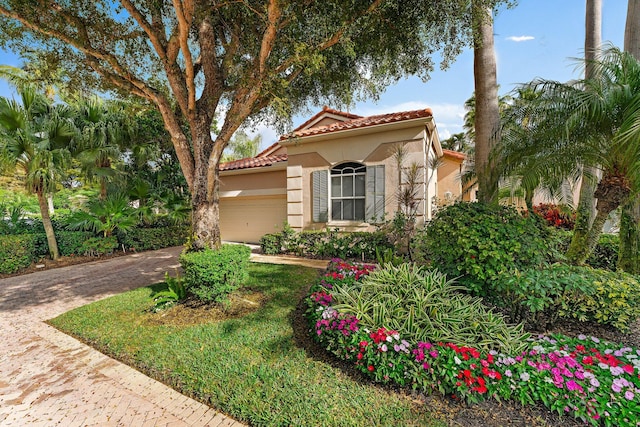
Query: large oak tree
[244, 59]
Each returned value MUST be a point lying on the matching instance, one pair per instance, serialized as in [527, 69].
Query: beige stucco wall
[251, 182]
[449, 179]
[372, 148]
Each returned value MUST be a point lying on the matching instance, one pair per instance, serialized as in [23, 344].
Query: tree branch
[184, 14]
[159, 43]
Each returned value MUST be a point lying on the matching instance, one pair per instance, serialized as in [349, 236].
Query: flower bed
[596, 381]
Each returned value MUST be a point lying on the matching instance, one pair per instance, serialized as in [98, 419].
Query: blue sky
[537, 38]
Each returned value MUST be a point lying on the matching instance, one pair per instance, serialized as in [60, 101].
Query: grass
[248, 367]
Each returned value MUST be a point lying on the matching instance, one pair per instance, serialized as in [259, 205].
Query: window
[354, 192]
[348, 192]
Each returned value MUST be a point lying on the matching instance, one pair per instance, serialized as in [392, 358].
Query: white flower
[524, 376]
[458, 361]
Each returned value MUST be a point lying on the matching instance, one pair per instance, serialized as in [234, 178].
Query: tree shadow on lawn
[489, 413]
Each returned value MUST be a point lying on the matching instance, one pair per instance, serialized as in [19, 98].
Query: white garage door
[247, 219]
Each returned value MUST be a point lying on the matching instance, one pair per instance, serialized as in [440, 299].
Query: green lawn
[247, 367]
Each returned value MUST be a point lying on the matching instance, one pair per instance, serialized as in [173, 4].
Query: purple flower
[616, 370]
[629, 395]
[616, 387]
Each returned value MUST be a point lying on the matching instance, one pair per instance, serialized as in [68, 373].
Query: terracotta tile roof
[326, 109]
[264, 152]
[454, 154]
[360, 122]
[253, 162]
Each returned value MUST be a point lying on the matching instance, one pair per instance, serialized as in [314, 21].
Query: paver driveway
[48, 378]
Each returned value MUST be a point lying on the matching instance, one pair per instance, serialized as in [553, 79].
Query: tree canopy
[195, 59]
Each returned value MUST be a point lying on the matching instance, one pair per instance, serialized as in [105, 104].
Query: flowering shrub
[593, 380]
[556, 216]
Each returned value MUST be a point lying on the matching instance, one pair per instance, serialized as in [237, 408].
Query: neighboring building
[336, 170]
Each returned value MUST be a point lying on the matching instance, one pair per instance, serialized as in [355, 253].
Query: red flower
[628, 369]
[371, 368]
[359, 356]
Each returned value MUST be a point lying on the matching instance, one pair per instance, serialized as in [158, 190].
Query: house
[337, 170]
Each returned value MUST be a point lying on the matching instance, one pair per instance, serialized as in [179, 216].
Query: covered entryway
[246, 219]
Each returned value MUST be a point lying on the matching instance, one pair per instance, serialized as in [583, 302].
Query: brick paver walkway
[48, 378]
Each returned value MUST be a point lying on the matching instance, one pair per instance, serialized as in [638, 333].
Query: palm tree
[579, 125]
[35, 137]
[102, 131]
[487, 113]
[629, 254]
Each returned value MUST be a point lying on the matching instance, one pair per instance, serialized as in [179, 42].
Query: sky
[537, 38]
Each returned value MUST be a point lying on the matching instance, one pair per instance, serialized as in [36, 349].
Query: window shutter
[320, 183]
[375, 193]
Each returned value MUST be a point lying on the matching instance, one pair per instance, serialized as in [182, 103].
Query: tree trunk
[487, 113]
[629, 251]
[586, 203]
[48, 227]
[205, 216]
[632, 29]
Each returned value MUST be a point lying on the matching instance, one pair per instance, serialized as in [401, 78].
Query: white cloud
[449, 117]
[519, 39]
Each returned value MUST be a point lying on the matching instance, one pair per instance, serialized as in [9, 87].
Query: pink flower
[574, 386]
[629, 395]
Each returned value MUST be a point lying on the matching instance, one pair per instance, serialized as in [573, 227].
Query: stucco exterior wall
[370, 149]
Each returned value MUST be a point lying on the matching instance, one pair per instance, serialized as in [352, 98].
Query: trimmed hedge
[326, 244]
[211, 275]
[16, 252]
[541, 296]
[144, 239]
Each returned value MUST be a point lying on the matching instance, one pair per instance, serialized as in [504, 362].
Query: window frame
[345, 170]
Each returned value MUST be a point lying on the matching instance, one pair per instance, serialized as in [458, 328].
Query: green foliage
[271, 244]
[326, 244]
[151, 238]
[541, 296]
[97, 246]
[16, 252]
[211, 275]
[478, 243]
[104, 216]
[71, 242]
[175, 292]
[423, 305]
[604, 255]
[388, 256]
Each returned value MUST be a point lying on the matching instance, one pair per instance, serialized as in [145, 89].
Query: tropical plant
[423, 305]
[568, 127]
[104, 216]
[102, 131]
[175, 292]
[35, 137]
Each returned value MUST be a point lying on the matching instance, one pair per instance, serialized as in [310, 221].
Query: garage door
[247, 219]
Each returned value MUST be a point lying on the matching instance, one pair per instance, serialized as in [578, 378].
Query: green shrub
[271, 244]
[326, 244]
[97, 246]
[16, 252]
[144, 239]
[424, 305]
[541, 296]
[605, 254]
[72, 242]
[478, 243]
[211, 275]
